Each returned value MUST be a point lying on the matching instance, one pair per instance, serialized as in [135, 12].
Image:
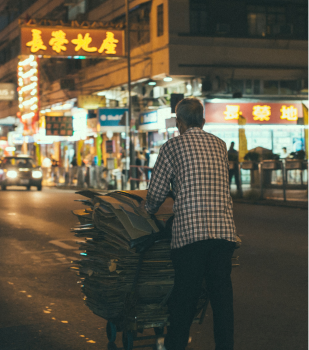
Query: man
[203, 233]
[284, 154]
[233, 156]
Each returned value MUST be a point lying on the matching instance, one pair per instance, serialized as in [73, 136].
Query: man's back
[198, 166]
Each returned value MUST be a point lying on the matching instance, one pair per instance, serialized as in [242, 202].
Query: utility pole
[132, 155]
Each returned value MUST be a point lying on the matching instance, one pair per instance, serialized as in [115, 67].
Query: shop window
[160, 22]
[271, 87]
[198, 17]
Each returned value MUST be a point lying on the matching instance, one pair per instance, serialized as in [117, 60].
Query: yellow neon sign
[288, 113]
[37, 42]
[232, 112]
[261, 112]
[58, 41]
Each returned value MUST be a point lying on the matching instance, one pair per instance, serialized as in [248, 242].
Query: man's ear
[204, 121]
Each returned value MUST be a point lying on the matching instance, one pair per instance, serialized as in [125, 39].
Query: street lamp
[128, 120]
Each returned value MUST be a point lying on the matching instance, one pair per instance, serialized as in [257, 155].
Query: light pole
[128, 120]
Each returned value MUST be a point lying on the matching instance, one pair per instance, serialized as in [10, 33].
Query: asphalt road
[42, 306]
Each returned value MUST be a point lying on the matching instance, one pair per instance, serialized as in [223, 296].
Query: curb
[273, 202]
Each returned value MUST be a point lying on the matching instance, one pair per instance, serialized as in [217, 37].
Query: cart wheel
[111, 331]
[158, 331]
[127, 340]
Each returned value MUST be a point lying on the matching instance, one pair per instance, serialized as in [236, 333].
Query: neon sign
[71, 41]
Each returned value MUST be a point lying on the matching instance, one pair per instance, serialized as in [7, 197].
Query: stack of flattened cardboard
[126, 270]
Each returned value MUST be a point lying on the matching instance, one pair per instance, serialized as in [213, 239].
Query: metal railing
[85, 177]
[275, 174]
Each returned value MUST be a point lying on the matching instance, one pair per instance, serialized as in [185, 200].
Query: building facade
[230, 52]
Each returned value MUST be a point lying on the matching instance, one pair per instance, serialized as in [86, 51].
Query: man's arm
[159, 184]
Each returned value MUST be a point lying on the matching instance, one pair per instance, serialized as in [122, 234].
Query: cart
[130, 325]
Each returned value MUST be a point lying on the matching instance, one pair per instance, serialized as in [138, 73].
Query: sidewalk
[294, 197]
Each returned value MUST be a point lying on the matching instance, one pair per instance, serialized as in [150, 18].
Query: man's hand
[142, 210]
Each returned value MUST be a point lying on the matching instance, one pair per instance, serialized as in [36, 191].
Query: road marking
[39, 251]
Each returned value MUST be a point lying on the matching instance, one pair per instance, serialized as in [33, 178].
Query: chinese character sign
[231, 112]
[254, 113]
[261, 113]
[66, 42]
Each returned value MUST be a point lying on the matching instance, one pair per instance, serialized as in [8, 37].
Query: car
[20, 171]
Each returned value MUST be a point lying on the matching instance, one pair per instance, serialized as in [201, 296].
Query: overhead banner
[254, 112]
[70, 42]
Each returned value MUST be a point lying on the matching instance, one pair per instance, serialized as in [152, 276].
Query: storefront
[268, 124]
[152, 128]
[112, 123]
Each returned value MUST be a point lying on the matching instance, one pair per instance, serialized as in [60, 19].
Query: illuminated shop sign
[111, 116]
[64, 41]
[154, 120]
[7, 92]
[59, 126]
[28, 91]
[148, 118]
[255, 113]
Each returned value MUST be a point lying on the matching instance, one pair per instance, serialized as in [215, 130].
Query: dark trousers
[209, 259]
[234, 172]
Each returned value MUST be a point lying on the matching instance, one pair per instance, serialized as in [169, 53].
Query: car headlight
[36, 174]
[11, 174]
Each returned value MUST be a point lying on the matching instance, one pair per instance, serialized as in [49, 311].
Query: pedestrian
[125, 165]
[234, 171]
[139, 171]
[284, 154]
[146, 163]
[203, 232]
[152, 161]
[74, 161]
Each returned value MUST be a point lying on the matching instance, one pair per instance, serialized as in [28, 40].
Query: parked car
[20, 171]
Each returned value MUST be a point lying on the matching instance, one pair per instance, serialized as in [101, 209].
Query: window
[301, 23]
[160, 26]
[289, 87]
[268, 21]
[271, 87]
[246, 87]
[256, 87]
[198, 17]
[139, 24]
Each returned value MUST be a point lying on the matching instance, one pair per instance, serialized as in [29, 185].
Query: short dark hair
[190, 112]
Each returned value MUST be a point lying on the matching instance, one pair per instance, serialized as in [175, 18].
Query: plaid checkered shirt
[196, 164]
